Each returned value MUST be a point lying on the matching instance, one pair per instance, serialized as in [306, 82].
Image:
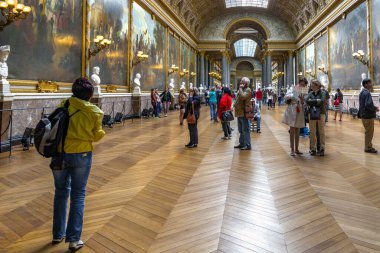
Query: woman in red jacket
[225, 105]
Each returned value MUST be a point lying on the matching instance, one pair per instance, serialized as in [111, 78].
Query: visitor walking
[367, 112]
[193, 108]
[213, 103]
[182, 100]
[166, 99]
[85, 127]
[225, 107]
[338, 104]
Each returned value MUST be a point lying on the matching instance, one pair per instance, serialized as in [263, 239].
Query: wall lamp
[360, 56]
[310, 73]
[141, 57]
[300, 74]
[173, 69]
[12, 11]
[322, 68]
[100, 43]
[184, 72]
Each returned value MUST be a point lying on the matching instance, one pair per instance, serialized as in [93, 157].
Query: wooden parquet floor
[147, 193]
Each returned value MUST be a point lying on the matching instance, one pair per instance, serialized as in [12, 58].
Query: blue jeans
[245, 137]
[70, 181]
[213, 110]
[258, 120]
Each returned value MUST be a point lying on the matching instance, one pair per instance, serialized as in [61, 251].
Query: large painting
[301, 62]
[346, 37]
[149, 36]
[310, 60]
[174, 58]
[192, 67]
[376, 39]
[185, 62]
[109, 18]
[321, 45]
[48, 44]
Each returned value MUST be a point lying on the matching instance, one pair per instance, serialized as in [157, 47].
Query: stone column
[202, 68]
[289, 70]
[269, 67]
[224, 68]
[281, 79]
[264, 69]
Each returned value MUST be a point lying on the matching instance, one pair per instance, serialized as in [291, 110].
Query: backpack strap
[66, 105]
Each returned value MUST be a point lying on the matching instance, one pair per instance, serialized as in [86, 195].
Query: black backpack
[119, 117]
[52, 131]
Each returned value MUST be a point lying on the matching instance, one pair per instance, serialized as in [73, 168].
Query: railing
[110, 108]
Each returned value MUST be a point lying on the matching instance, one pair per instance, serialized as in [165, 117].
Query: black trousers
[193, 130]
[226, 128]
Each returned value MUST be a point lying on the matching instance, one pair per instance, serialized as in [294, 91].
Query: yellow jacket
[85, 126]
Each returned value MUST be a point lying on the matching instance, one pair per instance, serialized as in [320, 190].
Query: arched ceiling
[196, 13]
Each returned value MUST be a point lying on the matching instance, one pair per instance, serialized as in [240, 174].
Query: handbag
[315, 113]
[191, 120]
[227, 116]
[248, 112]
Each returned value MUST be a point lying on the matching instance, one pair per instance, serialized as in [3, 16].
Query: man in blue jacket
[367, 112]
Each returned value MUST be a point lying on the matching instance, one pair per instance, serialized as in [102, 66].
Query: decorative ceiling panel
[197, 13]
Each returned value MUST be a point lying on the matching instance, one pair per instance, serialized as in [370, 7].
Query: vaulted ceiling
[196, 13]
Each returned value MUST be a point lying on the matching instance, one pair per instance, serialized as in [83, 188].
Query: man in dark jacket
[367, 112]
[194, 101]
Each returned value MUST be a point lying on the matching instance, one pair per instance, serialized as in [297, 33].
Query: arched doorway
[244, 69]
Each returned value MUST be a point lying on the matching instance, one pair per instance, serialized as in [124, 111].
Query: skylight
[244, 3]
[245, 47]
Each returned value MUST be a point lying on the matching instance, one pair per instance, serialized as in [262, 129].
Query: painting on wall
[109, 18]
[346, 37]
[301, 63]
[148, 36]
[192, 67]
[184, 62]
[321, 46]
[174, 58]
[376, 40]
[48, 43]
[310, 60]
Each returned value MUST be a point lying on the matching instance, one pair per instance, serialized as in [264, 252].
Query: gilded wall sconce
[300, 74]
[322, 68]
[100, 43]
[193, 74]
[360, 56]
[173, 69]
[184, 72]
[140, 57]
[12, 11]
[310, 73]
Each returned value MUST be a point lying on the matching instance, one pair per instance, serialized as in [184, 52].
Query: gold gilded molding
[111, 88]
[284, 45]
[47, 87]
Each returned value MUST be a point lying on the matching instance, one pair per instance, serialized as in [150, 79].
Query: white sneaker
[74, 246]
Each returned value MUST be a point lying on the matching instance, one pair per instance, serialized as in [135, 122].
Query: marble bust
[5, 89]
[190, 86]
[183, 86]
[4, 53]
[201, 89]
[96, 80]
[171, 86]
[137, 84]
[364, 76]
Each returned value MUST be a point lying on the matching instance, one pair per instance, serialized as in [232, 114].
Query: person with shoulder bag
[244, 112]
[338, 104]
[367, 112]
[317, 110]
[182, 99]
[70, 179]
[225, 113]
[192, 113]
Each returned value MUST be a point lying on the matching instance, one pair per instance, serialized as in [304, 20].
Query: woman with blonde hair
[182, 100]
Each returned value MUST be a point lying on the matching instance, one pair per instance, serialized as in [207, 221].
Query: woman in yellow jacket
[85, 127]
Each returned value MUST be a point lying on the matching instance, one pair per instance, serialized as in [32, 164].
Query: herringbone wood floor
[147, 193]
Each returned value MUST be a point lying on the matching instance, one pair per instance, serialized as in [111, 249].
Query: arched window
[242, 3]
[245, 47]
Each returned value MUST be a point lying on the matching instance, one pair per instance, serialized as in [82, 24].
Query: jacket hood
[83, 105]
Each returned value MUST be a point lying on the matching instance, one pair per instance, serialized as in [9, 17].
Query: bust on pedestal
[136, 85]
[171, 86]
[183, 86]
[5, 90]
[190, 86]
[96, 81]
[201, 89]
[364, 76]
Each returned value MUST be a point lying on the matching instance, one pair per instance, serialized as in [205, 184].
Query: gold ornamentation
[12, 11]
[100, 43]
[47, 86]
[111, 88]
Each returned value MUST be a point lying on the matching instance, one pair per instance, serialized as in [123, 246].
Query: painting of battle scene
[346, 37]
[48, 43]
[301, 62]
[376, 40]
[109, 18]
[149, 36]
[310, 61]
[322, 58]
[174, 58]
[185, 57]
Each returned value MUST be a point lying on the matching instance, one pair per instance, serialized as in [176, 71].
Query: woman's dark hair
[227, 91]
[304, 80]
[366, 81]
[82, 89]
[338, 90]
